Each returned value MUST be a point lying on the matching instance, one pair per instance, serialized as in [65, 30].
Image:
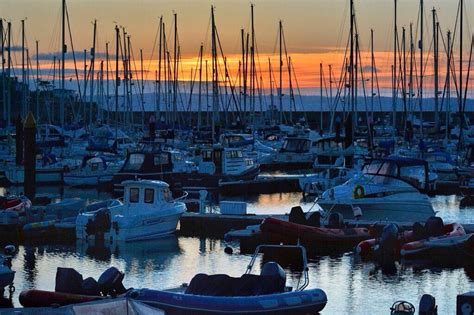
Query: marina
[179, 163]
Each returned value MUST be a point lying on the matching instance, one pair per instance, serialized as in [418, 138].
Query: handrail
[184, 196]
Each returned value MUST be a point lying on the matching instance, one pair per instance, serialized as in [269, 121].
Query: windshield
[134, 162]
[296, 145]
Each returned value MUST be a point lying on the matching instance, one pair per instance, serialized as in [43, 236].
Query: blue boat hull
[298, 302]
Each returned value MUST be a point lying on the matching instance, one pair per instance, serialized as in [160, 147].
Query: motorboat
[94, 171]
[148, 211]
[390, 189]
[153, 162]
[49, 170]
[266, 293]
[316, 184]
[217, 164]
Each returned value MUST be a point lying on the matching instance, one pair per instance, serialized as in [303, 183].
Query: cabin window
[234, 154]
[135, 162]
[149, 195]
[134, 195]
[161, 159]
[207, 156]
[167, 196]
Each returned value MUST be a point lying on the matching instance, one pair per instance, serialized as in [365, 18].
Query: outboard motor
[9, 251]
[428, 305]
[335, 221]
[388, 243]
[434, 226]
[100, 223]
[418, 231]
[110, 282]
[314, 219]
[297, 215]
[274, 271]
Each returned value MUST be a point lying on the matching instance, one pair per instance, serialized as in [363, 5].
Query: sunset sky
[315, 31]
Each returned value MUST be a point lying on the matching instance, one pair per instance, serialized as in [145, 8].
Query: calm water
[352, 286]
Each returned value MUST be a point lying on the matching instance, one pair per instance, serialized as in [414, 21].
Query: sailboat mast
[404, 77]
[175, 69]
[63, 57]
[23, 71]
[107, 79]
[461, 109]
[158, 96]
[201, 49]
[117, 78]
[421, 67]
[280, 90]
[448, 85]
[395, 79]
[321, 95]
[252, 65]
[410, 78]
[37, 81]
[9, 66]
[91, 70]
[2, 43]
[215, 78]
[435, 65]
[351, 65]
[372, 66]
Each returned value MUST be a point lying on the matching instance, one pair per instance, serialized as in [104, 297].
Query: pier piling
[30, 156]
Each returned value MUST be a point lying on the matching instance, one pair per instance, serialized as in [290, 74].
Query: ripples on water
[352, 286]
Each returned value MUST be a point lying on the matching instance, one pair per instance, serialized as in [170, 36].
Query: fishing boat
[266, 293]
[152, 162]
[392, 189]
[94, 171]
[148, 211]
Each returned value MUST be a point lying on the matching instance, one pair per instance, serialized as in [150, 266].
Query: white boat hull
[382, 209]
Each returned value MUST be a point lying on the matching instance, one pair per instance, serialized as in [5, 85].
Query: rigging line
[75, 62]
[299, 92]
[467, 76]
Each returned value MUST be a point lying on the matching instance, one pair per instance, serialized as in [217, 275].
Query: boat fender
[358, 192]
[427, 305]
[357, 211]
[228, 250]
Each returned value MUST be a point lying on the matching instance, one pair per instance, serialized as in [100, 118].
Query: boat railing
[183, 197]
[301, 286]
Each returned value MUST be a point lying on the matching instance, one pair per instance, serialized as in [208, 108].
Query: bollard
[30, 156]
[19, 141]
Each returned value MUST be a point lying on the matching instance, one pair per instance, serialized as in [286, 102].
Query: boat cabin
[146, 192]
[236, 140]
[296, 145]
[413, 171]
[219, 160]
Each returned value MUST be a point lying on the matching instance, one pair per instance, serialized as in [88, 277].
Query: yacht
[94, 171]
[391, 189]
[148, 211]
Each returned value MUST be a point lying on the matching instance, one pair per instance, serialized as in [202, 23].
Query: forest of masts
[111, 86]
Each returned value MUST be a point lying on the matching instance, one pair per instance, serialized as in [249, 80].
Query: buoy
[228, 250]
